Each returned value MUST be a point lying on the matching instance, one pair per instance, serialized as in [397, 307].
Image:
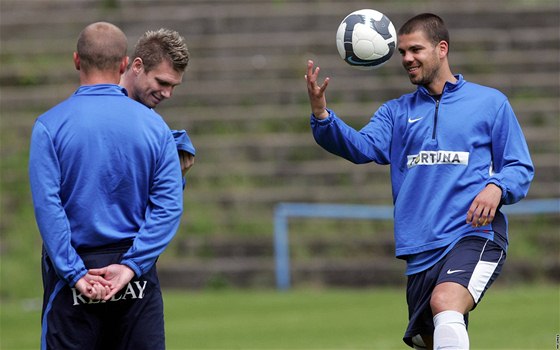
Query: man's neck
[97, 77]
[436, 87]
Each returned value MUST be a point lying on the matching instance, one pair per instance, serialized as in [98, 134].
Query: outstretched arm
[316, 92]
[337, 137]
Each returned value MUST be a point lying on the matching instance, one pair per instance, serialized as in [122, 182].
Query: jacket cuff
[496, 182]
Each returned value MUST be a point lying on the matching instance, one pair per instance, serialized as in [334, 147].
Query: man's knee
[451, 296]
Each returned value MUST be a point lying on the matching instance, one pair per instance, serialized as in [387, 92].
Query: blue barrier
[284, 211]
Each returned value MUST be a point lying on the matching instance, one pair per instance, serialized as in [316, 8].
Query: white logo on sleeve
[451, 272]
[438, 157]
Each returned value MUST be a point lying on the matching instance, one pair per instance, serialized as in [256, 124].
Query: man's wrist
[321, 114]
[497, 187]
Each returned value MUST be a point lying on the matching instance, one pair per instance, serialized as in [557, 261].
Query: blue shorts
[132, 319]
[474, 263]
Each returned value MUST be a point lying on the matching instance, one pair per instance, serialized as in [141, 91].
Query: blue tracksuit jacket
[442, 154]
[103, 170]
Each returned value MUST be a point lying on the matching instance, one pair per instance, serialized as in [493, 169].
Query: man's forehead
[164, 71]
[417, 38]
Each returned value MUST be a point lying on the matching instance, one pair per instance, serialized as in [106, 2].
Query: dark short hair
[163, 44]
[432, 25]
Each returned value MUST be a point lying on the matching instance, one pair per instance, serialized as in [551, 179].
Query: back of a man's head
[101, 46]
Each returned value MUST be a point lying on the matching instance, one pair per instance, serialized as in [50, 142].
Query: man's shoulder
[483, 90]
[142, 110]
[404, 99]
[54, 113]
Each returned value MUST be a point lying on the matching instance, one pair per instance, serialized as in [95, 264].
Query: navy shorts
[132, 319]
[474, 263]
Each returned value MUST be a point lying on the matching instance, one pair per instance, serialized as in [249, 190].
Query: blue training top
[183, 141]
[442, 153]
[104, 169]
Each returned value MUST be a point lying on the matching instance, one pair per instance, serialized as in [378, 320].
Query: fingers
[93, 291]
[98, 276]
[323, 87]
[122, 278]
[99, 292]
[312, 76]
[98, 272]
[480, 215]
[486, 216]
[484, 206]
[316, 92]
[309, 70]
[111, 293]
[187, 161]
[104, 283]
[474, 216]
[482, 220]
[84, 287]
[97, 279]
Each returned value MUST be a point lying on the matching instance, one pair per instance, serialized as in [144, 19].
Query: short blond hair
[163, 44]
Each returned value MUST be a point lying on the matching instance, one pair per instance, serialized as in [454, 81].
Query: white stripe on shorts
[482, 273]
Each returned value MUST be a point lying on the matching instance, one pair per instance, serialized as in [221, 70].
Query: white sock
[450, 331]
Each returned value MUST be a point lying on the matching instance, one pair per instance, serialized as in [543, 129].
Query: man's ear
[76, 61]
[124, 65]
[443, 48]
[137, 65]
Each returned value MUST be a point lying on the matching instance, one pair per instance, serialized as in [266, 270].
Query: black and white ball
[366, 39]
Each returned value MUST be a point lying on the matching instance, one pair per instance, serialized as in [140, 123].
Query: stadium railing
[284, 211]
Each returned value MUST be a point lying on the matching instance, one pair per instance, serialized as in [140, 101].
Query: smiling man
[158, 66]
[457, 154]
[106, 187]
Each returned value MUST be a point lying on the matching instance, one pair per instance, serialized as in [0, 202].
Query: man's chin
[152, 104]
[155, 103]
[416, 80]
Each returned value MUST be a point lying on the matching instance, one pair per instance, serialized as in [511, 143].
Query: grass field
[524, 317]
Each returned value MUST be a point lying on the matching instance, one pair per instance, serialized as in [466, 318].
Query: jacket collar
[101, 89]
[448, 87]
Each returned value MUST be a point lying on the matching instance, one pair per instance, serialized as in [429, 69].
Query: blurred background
[244, 103]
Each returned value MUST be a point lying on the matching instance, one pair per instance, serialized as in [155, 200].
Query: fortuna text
[438, 157]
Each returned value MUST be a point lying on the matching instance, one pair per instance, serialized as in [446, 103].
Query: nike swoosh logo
[450, 272]
[414, 120]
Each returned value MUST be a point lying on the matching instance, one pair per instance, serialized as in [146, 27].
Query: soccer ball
[366, 39]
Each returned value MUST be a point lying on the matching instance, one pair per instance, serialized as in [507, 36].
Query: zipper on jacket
[435, 118]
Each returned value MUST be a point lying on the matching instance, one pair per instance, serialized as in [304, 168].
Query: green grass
[523, 317]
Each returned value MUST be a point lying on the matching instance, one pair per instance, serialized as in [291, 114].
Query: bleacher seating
[244, 100]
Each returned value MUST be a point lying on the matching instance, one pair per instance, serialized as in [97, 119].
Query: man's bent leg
[450, 301]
